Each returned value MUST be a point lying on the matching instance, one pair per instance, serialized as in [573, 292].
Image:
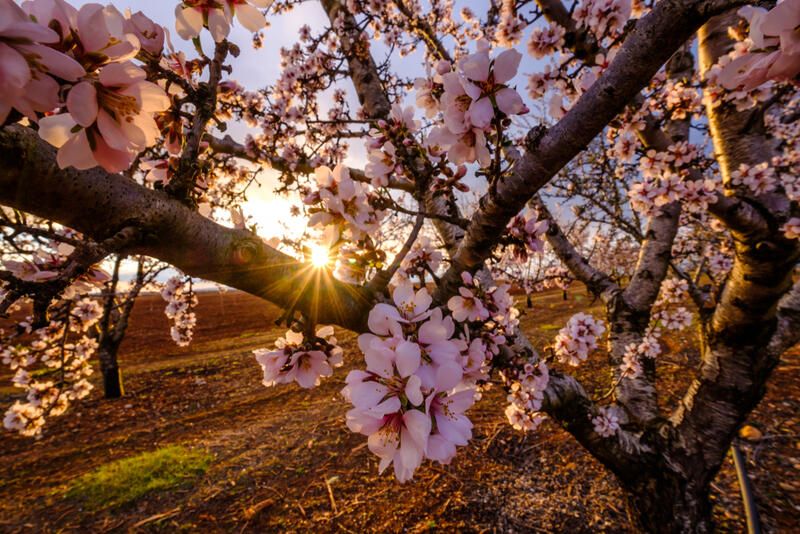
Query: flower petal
[82, 103]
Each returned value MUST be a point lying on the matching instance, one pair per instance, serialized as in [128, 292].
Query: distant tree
[117, 307]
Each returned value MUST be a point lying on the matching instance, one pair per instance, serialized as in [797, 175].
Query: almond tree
[117, 307]
[111, 133]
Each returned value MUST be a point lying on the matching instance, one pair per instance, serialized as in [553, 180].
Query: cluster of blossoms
[343, 204]
[606, 422]
[181, 301]
[509, 29]
[577, 339]
[759, 179]
[557, 276]
[527, 228]
[423, 369]
[299, 358]
[217, 15]
[667, 179]
[474, 100]
[46, 265]
[774, 48]
[546, 40]
[568, 74]
[682, 100]
[423, 259]
[79, 63]
[411, 398]
[603, 17]
[665, 315]
[383, 143]
[491, 320]
[61, 350]
[526, 387]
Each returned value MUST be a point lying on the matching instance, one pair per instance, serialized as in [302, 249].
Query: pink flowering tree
[681, 174]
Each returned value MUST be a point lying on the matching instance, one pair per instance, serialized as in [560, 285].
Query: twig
[330, 494]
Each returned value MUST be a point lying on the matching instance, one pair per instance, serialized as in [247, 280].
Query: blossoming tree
[115, 137]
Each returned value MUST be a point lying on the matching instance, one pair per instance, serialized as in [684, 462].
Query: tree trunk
[112, 375]
[665, 503]
[529, 300]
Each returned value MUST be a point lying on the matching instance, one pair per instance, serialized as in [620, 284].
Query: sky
[254, 69]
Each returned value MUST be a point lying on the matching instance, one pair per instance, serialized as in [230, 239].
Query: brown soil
[286, 462]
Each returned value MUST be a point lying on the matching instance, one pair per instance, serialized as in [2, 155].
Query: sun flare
[320, 256]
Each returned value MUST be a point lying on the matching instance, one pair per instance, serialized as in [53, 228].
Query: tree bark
[112, 374]
[667, 503]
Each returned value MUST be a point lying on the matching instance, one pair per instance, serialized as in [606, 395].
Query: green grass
[126, 480]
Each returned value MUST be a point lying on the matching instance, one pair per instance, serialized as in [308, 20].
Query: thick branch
[597, 281]
[99, 204]
[652, 41]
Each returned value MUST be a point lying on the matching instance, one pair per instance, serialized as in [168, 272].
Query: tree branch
[99, 204]
[651, 42]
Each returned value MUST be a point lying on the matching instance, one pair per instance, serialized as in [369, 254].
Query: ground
[283, 459]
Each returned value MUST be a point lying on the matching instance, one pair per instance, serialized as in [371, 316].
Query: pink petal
[784, 16]
[82, 103]
[509, 101]
[448, 376]
[109, 158]
[57, 129]
[111, 131]
[408, 358]
[121, 74]
[250, 17]
[218, 25]
[188, 22]
[418, 425]
[481, 113]
[77, 153]
[506, 65]
[30, 31]
[440, 450]
[413, 390]
[476, 66]
[14, 70]
[56, 63]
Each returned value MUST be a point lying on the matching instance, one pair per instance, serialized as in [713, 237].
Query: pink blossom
[775, 50]
[103, 37]
[217, 16]
[149, 34]
[301, 360]
[453, 428]
[606, 422]
[26, 64]
[466, 307]
[109, 121]
[792, 228]
[578, 338]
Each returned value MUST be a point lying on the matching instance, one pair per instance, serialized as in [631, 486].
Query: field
[281, 459]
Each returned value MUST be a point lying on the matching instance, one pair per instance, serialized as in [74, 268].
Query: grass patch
[126, 480]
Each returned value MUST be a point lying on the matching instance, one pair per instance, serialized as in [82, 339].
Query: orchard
[442, 158]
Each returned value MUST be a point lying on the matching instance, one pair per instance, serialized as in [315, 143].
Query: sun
[320, 256]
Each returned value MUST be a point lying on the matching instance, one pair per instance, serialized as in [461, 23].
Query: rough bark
[108, 344]
[736, 361]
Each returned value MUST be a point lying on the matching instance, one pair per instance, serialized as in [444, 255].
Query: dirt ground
[285, 461]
